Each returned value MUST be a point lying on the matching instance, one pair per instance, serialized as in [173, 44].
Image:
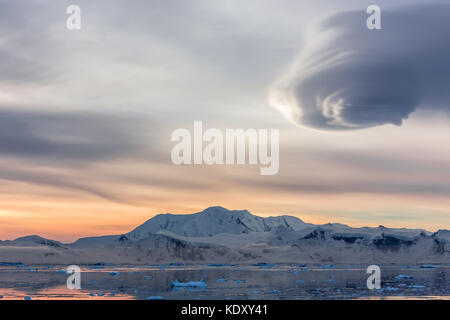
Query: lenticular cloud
[349, 77]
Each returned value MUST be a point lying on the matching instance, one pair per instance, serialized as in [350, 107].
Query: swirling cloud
[349, 77]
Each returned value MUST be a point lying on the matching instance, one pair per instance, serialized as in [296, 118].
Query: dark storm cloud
[350, 77]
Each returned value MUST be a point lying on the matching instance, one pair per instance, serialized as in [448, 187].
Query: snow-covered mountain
[30, 241]
[212, 221]
[218, 235]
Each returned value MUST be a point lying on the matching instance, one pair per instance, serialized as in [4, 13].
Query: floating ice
[114, 273]
[27, 298]
[299, 281]
[403, 276]
[275, 291]
[392, 289]
[222, 280]
[154, 298]
[189, 284]
[417, 286]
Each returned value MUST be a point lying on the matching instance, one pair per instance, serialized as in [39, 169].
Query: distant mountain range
[219, 235]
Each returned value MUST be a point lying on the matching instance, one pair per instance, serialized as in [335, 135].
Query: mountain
[212, 221]
[218, 235]
[29, 241]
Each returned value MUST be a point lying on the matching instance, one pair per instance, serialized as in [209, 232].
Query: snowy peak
[212, 221]
[33, 240]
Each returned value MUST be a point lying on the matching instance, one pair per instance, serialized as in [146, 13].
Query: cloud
[349, 77]
[68, 136]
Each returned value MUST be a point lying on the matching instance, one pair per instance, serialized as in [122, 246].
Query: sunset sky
[86, 115]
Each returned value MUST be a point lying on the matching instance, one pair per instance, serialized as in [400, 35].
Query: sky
[86, 115]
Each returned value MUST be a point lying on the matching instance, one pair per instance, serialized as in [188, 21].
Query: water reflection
[224, 282]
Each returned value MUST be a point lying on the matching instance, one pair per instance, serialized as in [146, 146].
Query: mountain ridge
[219, 235]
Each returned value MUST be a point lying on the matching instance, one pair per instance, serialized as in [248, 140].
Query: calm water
[225, 282]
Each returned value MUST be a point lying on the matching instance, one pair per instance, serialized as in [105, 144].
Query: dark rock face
[347, 239]
[316, 234]
[391, 243]
[439, 246]
[160, 247]
[50, 243]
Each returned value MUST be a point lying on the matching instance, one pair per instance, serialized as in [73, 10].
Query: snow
[212, 221]
[221, 238]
